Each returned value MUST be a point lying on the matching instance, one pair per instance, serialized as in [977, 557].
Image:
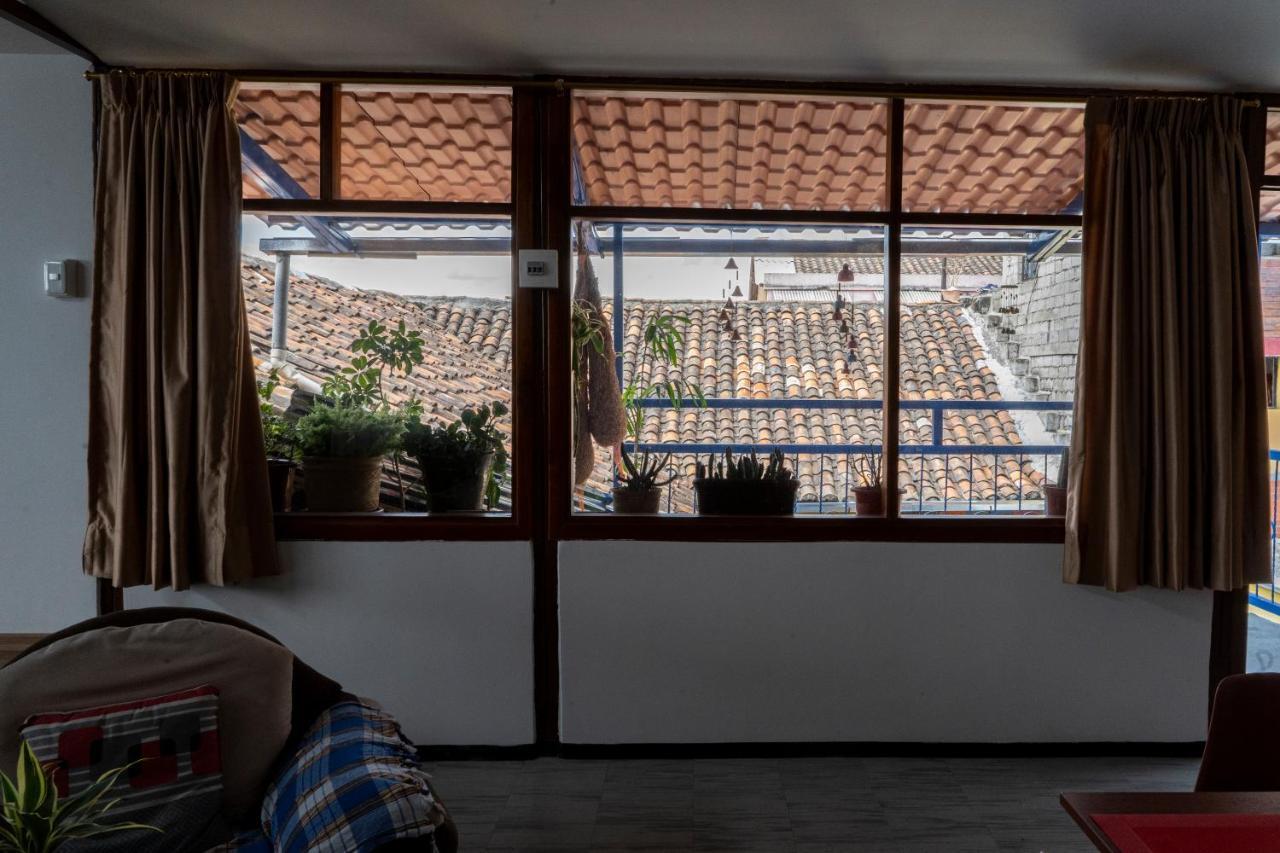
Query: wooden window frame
[541, 214]
[525, 376]
[893, 526]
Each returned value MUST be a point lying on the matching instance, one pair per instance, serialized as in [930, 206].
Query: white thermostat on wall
[60, 279]
[539, 268]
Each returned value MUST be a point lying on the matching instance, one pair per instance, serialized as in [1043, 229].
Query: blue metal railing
[936, 446]
[1263, 595]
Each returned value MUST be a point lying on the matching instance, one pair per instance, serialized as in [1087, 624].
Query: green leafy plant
[349, 432]
[646, 475]
[661, 343]
[746, 468]
[34, 819]
[588, 330]
[375, 351]
[279, 436]
[463, 443]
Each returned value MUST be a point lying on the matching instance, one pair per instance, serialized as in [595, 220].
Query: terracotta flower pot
[1055, 501]
[280, 474]
[868, 500]
[342, 485]
[457, 486]
[637, 501]
[746, 497]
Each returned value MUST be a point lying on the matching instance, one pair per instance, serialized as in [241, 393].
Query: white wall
[46, 213]
[664, 642]
[441, 633]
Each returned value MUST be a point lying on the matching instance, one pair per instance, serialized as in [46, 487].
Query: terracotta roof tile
[792, 351]
[991, 265]
[992, 158]
[398, 143]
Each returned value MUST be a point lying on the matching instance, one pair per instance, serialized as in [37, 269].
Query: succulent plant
[746, 468]
[645, 476]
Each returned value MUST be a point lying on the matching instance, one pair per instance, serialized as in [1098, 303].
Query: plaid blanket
[353, 784]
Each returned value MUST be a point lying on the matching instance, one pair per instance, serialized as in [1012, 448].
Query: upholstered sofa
[270, 706]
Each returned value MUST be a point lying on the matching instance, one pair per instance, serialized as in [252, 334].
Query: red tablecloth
[1192, 833]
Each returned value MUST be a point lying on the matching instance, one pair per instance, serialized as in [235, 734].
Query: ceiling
[1127, 43]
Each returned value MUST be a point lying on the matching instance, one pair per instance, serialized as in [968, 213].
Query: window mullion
[892, 312]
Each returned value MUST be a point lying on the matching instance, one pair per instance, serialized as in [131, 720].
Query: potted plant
[280, 440]
[639, 489]
[462, 464]
[1055, 496]
[868, 495]
[35, 819]
[342, 448]
[745, 486]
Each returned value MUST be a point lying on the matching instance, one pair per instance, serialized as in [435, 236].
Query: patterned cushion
[175, 783]
[354, 784]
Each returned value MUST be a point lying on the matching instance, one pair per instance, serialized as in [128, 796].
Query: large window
[779, 311]
[884, 291]
[376, 328]
[1264, 599]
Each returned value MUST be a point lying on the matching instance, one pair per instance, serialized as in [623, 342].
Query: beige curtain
[178, 488]
[1168, 472]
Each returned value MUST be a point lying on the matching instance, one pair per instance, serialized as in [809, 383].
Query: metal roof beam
[280, 184]
[659, 246]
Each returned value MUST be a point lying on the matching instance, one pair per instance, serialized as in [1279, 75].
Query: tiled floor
[804, 805]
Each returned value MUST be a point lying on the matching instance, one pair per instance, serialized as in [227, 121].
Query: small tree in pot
[280, 439]
[868, 495]
[342, 449]
[1055, 496]
[640, 489]
[346, 443]
[746, 486]
[462, 464]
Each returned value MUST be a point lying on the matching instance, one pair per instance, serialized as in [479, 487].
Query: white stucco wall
[441, 633]
[664, 642]
[46, 213]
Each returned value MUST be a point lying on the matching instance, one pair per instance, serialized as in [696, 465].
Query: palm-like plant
[34, 819]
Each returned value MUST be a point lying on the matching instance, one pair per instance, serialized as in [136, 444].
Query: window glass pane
[1264, 599]
[1269, 209]
[786, 349]
[448, 282]
[990, 326]
[1271, 162]
[970, 157]
[745, 152]
[426, 144]
[280, 139]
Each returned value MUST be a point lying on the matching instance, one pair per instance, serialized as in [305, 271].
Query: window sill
[397, 527]
[801, 528]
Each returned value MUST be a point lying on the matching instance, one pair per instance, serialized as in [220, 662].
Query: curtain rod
[810, 89]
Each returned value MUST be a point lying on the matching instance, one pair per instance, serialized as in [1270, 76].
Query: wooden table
[1081, 805]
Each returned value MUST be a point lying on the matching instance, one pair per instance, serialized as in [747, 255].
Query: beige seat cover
[254, 678]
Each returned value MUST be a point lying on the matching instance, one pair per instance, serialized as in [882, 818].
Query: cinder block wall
[1047, 327]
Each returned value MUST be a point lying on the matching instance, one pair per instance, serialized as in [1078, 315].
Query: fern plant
[34, 819]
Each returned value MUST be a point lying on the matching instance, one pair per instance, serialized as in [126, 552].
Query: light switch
[60, 279]
[539, 268]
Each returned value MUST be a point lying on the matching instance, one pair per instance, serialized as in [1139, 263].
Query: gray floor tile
[809, 805]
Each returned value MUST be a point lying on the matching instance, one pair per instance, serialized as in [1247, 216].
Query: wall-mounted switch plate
[61, 279]
[539, 268]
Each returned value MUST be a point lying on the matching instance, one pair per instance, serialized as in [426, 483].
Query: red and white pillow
[176, 786]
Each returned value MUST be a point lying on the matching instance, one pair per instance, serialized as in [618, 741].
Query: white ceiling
[1212, 44]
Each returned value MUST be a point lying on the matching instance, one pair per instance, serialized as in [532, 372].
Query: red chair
[1242, 752]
